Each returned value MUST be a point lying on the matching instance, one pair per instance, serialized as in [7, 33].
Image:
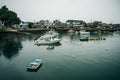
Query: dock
[96, 38]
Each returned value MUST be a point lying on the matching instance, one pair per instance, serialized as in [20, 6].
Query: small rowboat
[34, 64]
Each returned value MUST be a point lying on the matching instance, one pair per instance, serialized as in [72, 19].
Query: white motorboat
[47, 39]
[50, 37]
[84, 33]
[84, 38]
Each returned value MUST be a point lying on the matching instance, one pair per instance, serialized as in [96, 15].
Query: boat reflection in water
[50, 46]
[34, 70]
[90, 38]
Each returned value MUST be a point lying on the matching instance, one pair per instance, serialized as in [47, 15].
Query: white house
[47, 23]
[23, 25]
[75, 23]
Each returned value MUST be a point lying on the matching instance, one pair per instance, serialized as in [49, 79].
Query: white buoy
[107, 49]
[73, 56]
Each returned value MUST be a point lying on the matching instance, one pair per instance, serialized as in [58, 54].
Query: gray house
[57, 23]
[43, 23]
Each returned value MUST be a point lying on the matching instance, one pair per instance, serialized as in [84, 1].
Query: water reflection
[34, 70]
[50, 46]
[91, 37]
[0, 53]
[10, 45]
[10, 48]
[74, 36]
[86, 58]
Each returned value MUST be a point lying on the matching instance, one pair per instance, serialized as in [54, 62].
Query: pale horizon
[107, 11]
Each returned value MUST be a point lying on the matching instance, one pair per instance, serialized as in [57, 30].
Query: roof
[74, 21]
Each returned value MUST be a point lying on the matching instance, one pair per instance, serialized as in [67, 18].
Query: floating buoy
[73, 56]
[107, 49]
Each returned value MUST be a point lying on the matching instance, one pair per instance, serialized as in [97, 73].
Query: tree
[8, 17]
[97, 23]
[30, 24]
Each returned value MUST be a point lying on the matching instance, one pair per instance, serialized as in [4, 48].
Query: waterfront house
[57, 23]
[116, 26]
[39, 24]
[43, 24]
[75, 23]
[106, 26]
[47, 23]
[23, 25]
[36, 24]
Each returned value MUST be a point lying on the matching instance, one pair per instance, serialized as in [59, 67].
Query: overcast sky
[88, 10]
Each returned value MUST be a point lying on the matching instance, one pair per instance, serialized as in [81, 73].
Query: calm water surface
[72, 59]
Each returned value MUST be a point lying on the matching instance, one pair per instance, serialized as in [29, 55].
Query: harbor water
[71, 59]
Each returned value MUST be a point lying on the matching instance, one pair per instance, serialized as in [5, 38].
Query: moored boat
[47, 39]
[84, 33]
[91, 38]
[34, 64]
[84, 39]
[71, 31]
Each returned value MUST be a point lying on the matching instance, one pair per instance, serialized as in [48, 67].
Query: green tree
[97, 23]
[8, 17]
[30, 24]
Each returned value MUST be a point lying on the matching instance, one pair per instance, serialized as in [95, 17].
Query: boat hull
[86, 39]
[84, 33]
[47, 42]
